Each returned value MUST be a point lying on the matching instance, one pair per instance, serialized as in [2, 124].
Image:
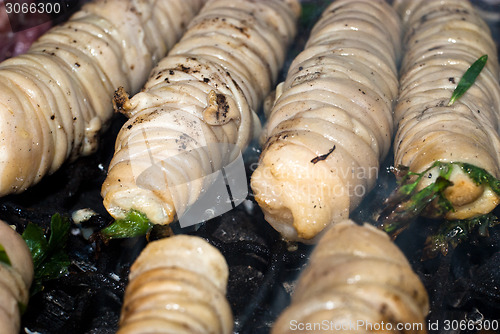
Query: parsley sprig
[50, 259]
[134, 224]
[405, 204]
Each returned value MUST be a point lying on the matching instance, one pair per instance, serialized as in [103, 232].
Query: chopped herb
[49, 257]
[453, 232]
[480, 176]
[134, 224]
[323, 157]
[405, 204]
[468, 78]
[4, 258]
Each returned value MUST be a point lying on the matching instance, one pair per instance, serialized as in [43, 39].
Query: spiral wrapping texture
[177, 285]
[15, 279]
[357, 280]
[56, 98]
[332, 123]
[197, 109]
[443, 38]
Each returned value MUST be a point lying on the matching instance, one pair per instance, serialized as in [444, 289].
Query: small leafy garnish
[405, 204]
[468, 78]
[134, 224]
[455, 231]
[49, 257]
[4, 258]
[480, 176]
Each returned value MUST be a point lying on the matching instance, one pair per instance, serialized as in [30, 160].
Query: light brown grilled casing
[332, 120]
[443, 38]
[198, 107]
[356, 278]
[177, 285]
[56, 98]
[15, 279]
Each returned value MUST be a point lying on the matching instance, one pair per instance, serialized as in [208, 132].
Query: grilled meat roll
[177, 285]
[332, 122]
[55, 99]
[357, 280]
[198, 107]
[15, 278]
[443, 38]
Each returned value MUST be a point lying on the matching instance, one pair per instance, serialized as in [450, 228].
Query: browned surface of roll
[332, 120]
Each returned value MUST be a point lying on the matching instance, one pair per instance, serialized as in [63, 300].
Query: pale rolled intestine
[56, 98]
[197, 110]
[15, 279]
[357, 280]
[332, 120]
[442, 39]
[177, 285]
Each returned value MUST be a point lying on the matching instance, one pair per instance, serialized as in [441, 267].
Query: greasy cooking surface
[464, 285]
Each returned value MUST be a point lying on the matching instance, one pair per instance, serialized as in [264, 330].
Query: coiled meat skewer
[443, 38]
[333, 123]
[356, 280]
[56, 98]
[177, 285]
[198, 107]
[15, 279]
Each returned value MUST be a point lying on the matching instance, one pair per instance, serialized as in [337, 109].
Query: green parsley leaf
[405, 204]
[468, 78]
[35, 239]
[480, 176]
[134, 224]
[49, 256]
